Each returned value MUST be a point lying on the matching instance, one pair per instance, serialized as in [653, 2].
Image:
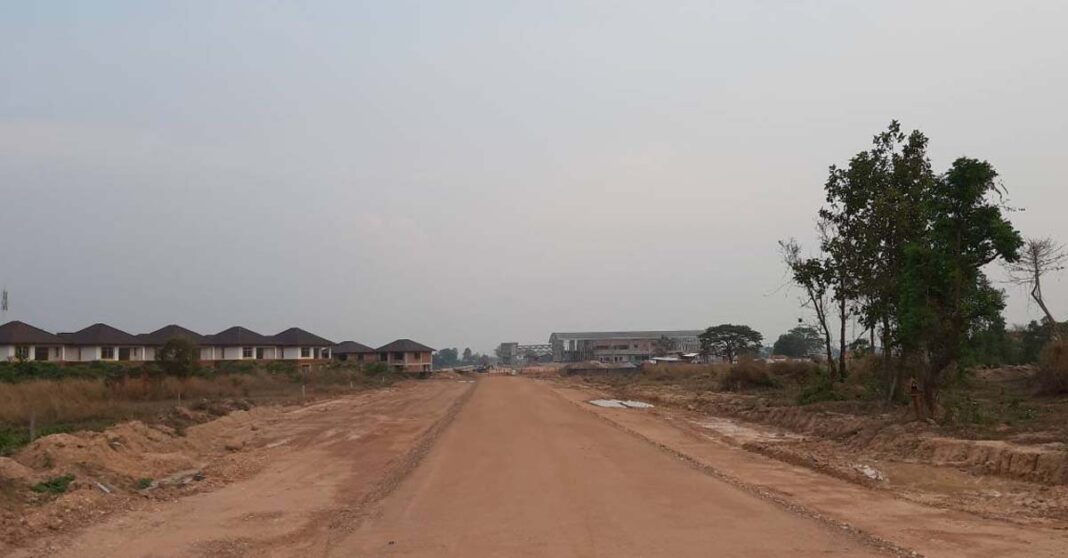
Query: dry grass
[1052, 377]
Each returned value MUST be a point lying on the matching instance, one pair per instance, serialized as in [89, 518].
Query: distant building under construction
[621, 346]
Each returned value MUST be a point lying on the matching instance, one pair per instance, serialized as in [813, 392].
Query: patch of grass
[54, 485]
[144, 483]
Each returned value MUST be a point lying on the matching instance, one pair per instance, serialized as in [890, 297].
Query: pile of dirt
[13, 473]
[448, 375]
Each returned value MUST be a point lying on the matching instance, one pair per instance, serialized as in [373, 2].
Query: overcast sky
[465, 173]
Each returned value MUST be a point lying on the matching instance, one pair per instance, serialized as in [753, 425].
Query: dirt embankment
[994, 478]
[270, 477]
[886, 435]
[65, 480]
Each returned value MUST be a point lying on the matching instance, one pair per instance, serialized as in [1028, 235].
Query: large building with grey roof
[621, 346]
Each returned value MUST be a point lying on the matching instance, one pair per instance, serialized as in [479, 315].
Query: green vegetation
[143, 484]
[178, 357]
[55, 485]
[902, 250]
[729, 341]
[799, 342]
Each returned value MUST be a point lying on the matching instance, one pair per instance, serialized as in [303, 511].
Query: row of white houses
[21, 341]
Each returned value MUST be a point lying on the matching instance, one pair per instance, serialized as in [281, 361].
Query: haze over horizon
[475, 173]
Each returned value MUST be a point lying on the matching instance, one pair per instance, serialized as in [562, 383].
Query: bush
[819, 387]
[1052, 377]
[747, 374]
[797, 371]
[56, 485]
[377, 369]
[178, 356]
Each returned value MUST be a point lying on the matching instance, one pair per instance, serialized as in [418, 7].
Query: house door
[259, 353]
[124, 353]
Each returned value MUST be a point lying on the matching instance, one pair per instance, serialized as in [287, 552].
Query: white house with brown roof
[101, 342]
[297, 344]
[21, 341]
[153, 341]
[239, 343]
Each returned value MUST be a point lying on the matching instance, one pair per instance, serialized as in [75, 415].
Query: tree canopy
[728, 341]
[801, 341]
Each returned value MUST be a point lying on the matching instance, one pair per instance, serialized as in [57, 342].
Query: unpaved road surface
[515, 467]
[523, 472]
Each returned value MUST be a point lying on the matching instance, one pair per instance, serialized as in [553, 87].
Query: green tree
[876, 207]
[945, 293]
[468, 357]
[178, 356]
[728, 341]
[446, 358]
[801, 341]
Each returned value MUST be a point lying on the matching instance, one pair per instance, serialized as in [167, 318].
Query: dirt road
[522, 472]
[515, 467]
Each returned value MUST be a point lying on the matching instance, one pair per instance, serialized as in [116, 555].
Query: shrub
[1052, 374]
[55, 485]
[144, 483]
[819, 387]
[747, 374]
[178, 356]
[797, 371]
[377, 369]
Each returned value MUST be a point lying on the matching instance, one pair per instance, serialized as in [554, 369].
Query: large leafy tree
[801, 341]
[728, 341]
[945, 293]
[875, 208]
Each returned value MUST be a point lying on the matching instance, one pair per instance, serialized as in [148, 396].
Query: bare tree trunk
[842, 306]
[1036, 293]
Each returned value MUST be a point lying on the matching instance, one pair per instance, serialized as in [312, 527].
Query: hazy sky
[465, 173]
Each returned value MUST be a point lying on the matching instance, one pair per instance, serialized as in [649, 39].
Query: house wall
[55, 352]
[231, 353]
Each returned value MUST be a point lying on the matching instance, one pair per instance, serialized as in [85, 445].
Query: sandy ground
[517, 467]
[324, 464]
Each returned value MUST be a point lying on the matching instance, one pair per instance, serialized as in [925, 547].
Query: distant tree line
[452, 358]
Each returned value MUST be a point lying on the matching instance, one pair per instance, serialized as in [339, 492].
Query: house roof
[594, 335]
[99, 334]
[238, 336]
[19, 333]
[404, 346]
[296, 337]
[351, 347]
[165, 333]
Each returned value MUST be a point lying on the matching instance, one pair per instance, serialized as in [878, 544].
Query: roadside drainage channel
[620, 404]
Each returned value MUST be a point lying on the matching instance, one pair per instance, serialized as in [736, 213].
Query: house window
[107, 353]
[246, 352]
[359, 357]
[398, 356]
[22, 352]
[305, 352]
